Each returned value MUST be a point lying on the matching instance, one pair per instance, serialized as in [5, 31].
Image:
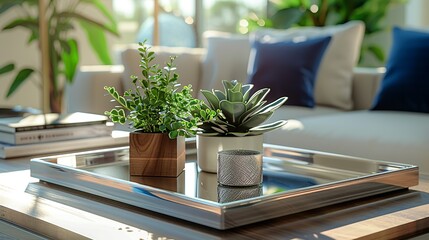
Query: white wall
[14, 48]
[417, 14]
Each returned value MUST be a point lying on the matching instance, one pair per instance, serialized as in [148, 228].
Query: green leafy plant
[156, 104]
[62, 18]
[236, 112]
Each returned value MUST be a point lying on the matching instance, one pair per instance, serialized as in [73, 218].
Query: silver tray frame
[351, 178]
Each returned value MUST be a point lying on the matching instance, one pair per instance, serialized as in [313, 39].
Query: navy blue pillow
[405, 86]
[288, 68]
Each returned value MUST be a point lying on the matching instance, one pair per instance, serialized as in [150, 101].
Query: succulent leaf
[268, 127]
[212, 133]
[219, 122]
[255, 120]
[228, 85]
[219, 130]
[219, 94]
[237, 86]
[239, 134]
[234, 86]
[211, 99]
[257, 97]
[245, 90]
[272, 106]
[234, 96]
[252, 111]
[232, 110]
[223, 127]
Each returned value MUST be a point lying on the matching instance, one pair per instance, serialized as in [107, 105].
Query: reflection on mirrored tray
[284, 171]
[197, 184]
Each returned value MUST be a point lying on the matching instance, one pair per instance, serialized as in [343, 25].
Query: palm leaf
[7, 68]
[70, 59]
[100, 6]
[82, 18]
[97, 39]
[30, 23]
[19, 79]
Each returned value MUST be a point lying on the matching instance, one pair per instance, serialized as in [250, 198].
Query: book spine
[58, 134]
[55, 126]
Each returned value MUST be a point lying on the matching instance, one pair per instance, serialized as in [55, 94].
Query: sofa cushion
[226, 59]
[288, 112]
[366, 82]
[87, 93]
[405, 87]
[288, 68]
[334, 80]
[380, 135]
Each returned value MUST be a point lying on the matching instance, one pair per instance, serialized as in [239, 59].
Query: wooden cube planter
[155, 154]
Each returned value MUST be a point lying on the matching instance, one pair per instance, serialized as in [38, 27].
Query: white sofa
[382, 135]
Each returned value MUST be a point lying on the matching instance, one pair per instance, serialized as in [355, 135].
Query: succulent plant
[235, 112]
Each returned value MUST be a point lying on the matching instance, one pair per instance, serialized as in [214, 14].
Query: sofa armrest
[87, 93]
[366, 82]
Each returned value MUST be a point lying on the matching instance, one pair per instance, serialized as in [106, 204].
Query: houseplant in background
[232, 120]
[62, 17]
[283, 14]
[161, 116]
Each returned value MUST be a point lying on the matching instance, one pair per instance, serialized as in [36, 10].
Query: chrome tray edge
[224, 215]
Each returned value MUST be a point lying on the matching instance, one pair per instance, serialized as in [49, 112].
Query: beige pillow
[334, 79]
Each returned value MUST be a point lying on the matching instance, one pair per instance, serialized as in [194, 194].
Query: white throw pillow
[227, 59]
[334, 79]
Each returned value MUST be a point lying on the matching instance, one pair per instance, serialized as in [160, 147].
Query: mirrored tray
[294, 180]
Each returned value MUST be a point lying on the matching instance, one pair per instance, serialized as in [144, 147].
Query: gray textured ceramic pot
[239, 168]
[209, 146]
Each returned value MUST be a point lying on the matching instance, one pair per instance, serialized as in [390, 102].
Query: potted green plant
[232, 120]
[161, 115]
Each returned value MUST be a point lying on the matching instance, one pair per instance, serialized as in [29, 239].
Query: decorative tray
[294, 180]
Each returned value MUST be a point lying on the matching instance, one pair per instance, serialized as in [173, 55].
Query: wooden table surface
[60, 213]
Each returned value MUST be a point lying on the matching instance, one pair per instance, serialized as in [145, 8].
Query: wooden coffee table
[61, 213]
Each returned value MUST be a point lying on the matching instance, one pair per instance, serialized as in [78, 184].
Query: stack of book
[47, 133]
